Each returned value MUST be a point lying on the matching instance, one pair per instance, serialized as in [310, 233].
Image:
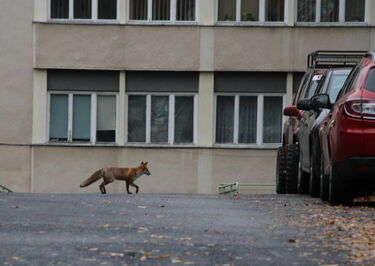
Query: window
[82, 117]
[251, 10]
[370, 81]
[83, 9]
[161, 118]
[331, 11]
[248, 119]
[162, 10]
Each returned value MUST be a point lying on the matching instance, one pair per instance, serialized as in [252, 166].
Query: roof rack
[334, 59]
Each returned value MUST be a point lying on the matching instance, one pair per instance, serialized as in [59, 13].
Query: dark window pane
[370, 82]
[274, 10]
[249, 10]
[335, 85]
[248, 119]
[137, 118]
[159, 118]
[227, 10]
[355, 10]
[82, 9]
[107, 9]
[138, 9]
[59, 8]
[184, 119]
[106, 118]
[306, 10]
[185, 10]
[272, 119]
[58, 127]
[161, 9]
[330, 11]
[81, 117]
[224, 119]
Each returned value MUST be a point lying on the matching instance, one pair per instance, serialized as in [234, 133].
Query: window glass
[82, 9]
[81, 117]
[59, 8]
[272, 119]
[159, 118]
[335, 85]
[370, 82]
[185, 10]
[313, 85]
[227, 10]
[274, 10]
[137, 118]
[248, 119]
[224, 119]
[330, 11]
[58, 128]
[107, 9]
[138, 9]
[355, 10]
[184, 119]
[249, 10]
[106, 118]
[306, 10]
[161, 9]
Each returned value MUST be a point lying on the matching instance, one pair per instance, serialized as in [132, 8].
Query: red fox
[109, 174]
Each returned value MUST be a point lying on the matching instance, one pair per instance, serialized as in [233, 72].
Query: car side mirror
[321, 101]
[304, 104]
[291, 111]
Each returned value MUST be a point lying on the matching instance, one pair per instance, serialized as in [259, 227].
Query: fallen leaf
[103, 226]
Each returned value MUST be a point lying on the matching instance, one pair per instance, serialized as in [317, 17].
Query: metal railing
[235, 188]
[4, 189]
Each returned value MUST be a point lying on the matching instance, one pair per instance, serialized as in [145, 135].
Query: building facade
[194, 87]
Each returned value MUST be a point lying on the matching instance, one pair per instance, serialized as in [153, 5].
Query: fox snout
[147, 173]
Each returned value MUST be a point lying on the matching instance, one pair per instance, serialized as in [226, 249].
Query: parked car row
[329, 137]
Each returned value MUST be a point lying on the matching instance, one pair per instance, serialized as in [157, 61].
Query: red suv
[347, 136]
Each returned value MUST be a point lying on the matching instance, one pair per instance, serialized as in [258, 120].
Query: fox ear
[145, 163]
[142, 162]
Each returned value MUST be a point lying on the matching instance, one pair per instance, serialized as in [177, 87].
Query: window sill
[80, 22]
[161, 23]
[331, 24]
[251, 24]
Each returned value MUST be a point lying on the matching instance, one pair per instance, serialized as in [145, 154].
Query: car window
[312, 86]
[335, 85]
[349, 82]
[301, 87]
[320, 87]
[370, 82]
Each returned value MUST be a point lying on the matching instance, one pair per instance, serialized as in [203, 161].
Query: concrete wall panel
[62, 169]
[16, 73]
[15, 168]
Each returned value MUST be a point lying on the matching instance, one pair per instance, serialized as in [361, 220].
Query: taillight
[360, 108]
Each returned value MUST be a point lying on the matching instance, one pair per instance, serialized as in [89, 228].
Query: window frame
[171, 113]
[93, 113]
[261, 15]
[94, 13]
[173, 15]
[341, 22]
[259, 131]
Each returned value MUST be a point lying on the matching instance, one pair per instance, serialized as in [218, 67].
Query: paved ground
[150, 229]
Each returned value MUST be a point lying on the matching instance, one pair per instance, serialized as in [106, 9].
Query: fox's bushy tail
[94, 177]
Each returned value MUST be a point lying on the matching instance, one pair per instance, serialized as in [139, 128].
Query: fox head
[144, 168]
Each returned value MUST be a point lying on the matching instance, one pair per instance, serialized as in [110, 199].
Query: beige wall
[16, 71]
[15, 168]
[62, 169]
[190, 47]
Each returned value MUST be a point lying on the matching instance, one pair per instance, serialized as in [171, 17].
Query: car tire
[303, 180]
[314, 185]
[281, 170]
[292, 159]
[324, 184]
[339, 192]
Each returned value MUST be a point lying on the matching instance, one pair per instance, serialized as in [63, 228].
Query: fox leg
[136, 187]
[127, 187]
[102, 186]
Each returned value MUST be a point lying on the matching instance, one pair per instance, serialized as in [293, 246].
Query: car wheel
[324, 184]
[314, 186]
[292, 159]
[281, 170]
[339, 192]
[303, 180]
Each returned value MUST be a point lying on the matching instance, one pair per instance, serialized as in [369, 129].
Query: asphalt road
[155, 229]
